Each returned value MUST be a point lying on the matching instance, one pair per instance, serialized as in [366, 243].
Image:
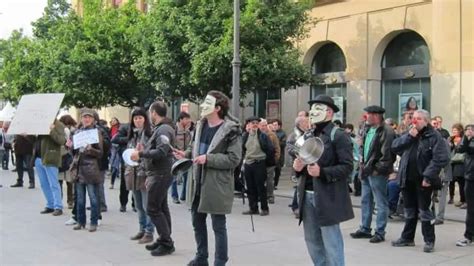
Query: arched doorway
[329, 68]
[405, 75]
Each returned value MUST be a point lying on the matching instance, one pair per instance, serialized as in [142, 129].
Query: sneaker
[163, 250]
[429, 247]
[31, 186]
[57, 212]
[71, 222]
[47, 210]
[176, 201]
[401, 242]
[99, 221]
[264, 213]
[78, 227]
[458, 204]
[360, 234]
[147, 238]
[92, 228]
[463, 242]
[451, 201]
[123, 209]
[138, 236]
[438, 222]
[196, 262]
[152, 246]
[17, 185]
[463, 206]
[377, 238]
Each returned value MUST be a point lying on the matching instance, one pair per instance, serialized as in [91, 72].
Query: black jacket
[380, 159]
[158, 157]
[331, 195]
[265, 144]
[467, 147]
[121, 138]
[432, 155]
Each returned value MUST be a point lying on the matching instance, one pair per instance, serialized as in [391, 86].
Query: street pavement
[30, 238]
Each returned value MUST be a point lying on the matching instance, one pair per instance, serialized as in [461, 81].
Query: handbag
[73, 170]
[457, 158]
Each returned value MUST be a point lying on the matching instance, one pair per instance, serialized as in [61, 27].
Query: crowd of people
[399, 170]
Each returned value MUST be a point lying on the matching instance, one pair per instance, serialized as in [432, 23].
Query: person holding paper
[47, 152]
[87, 162]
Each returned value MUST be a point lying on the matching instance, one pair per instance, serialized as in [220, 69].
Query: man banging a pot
[323, 195]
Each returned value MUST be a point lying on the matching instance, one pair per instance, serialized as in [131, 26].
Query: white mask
[318, 113]
[208, 106]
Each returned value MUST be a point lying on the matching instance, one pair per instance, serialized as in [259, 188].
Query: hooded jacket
[217, 175]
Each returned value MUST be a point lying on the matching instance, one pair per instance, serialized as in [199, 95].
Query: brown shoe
[78, 227]
[92, 228]
[57, 212]
[47, 210]
[138, 236]
[147, 238]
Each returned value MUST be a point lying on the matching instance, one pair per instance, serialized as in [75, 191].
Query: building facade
[397, 54]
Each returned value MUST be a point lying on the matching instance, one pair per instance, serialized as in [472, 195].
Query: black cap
[324, 99]
[251, 119]
[374, 109]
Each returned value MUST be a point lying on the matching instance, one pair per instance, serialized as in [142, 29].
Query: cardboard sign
[86, 137]
[35, 113]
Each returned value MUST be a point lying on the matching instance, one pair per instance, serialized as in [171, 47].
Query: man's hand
[201, 159]
[135, 156]
[425, 184]
[178, 154]
[51, 127]
[413, 132]
[314, 170]
[298, 165]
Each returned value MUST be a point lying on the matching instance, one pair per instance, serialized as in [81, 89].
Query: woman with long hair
[138, 134]
[457, 166]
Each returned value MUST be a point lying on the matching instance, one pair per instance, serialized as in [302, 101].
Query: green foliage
[179, 48]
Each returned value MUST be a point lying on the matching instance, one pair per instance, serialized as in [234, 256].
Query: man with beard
[216, 151]
[323, 194]
[158, 158]
[423, 154]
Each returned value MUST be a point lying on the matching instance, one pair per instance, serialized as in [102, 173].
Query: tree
[189, 46]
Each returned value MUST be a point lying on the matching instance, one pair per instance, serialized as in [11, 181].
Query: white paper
[86, 137]
[35, 113]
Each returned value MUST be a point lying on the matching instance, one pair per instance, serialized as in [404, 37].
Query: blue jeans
[325, 243]
[374, 187]
[48, 177]
[174, 187]
[200, 235]
[141, 201]
[92, 191]
[393, 194]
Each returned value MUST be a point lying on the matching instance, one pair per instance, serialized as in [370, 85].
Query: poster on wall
[184, 107]
[273, 109]
[409, 102]
[339, 102]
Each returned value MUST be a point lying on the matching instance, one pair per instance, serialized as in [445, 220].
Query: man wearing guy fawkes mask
[216, 151]
[323, 195]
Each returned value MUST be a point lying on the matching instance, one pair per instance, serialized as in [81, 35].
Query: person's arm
[465, 146]
[276, 145]
[161, 150]
[402, 143]
[385, 163]
[95, 150]
[343, 150]
[57, 133]
[229, 159]
[439, 161]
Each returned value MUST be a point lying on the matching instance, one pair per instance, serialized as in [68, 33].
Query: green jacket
[51, 145]
[217, 175]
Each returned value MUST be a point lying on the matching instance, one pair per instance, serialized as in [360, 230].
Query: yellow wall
[363, 29]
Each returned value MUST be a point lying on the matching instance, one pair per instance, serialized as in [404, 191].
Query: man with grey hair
[423, 154]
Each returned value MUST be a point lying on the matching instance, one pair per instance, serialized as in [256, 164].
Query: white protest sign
[85, 137]
[7, 113]
[35, 113]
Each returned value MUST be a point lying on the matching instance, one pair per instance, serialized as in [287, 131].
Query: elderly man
[271, 169]
[322, 190]
[424, 153]
[376, 164]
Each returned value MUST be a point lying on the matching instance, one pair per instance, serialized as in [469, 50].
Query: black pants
[460, 180]
[123, 195]
[417, 202]
[469, 189]
[277, 175]
[255, 177]
[157, 207]
[23, 162]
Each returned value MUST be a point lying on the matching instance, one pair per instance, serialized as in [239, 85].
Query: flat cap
[87, 111]
[374, 109]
